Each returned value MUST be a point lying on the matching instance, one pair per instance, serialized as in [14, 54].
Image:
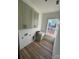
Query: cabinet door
[35, 16]
[27, 16]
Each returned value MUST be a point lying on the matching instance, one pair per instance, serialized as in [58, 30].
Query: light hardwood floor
[37, 50]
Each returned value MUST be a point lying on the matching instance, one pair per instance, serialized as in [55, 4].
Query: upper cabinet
[27, 16]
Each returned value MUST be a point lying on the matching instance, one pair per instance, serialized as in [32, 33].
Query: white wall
[56, 48]
[47, 16]
[40, 21]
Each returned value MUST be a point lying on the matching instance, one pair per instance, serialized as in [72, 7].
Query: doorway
[52, 26]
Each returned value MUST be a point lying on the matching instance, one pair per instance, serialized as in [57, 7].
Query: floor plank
[37, 50]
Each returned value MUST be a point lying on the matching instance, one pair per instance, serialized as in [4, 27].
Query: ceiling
[43, 7]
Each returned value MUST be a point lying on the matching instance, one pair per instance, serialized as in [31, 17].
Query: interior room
[39, 29]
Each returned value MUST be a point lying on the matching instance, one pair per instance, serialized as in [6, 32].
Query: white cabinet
[28, 17]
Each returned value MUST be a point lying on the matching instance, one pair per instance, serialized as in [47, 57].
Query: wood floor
[37, 50]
